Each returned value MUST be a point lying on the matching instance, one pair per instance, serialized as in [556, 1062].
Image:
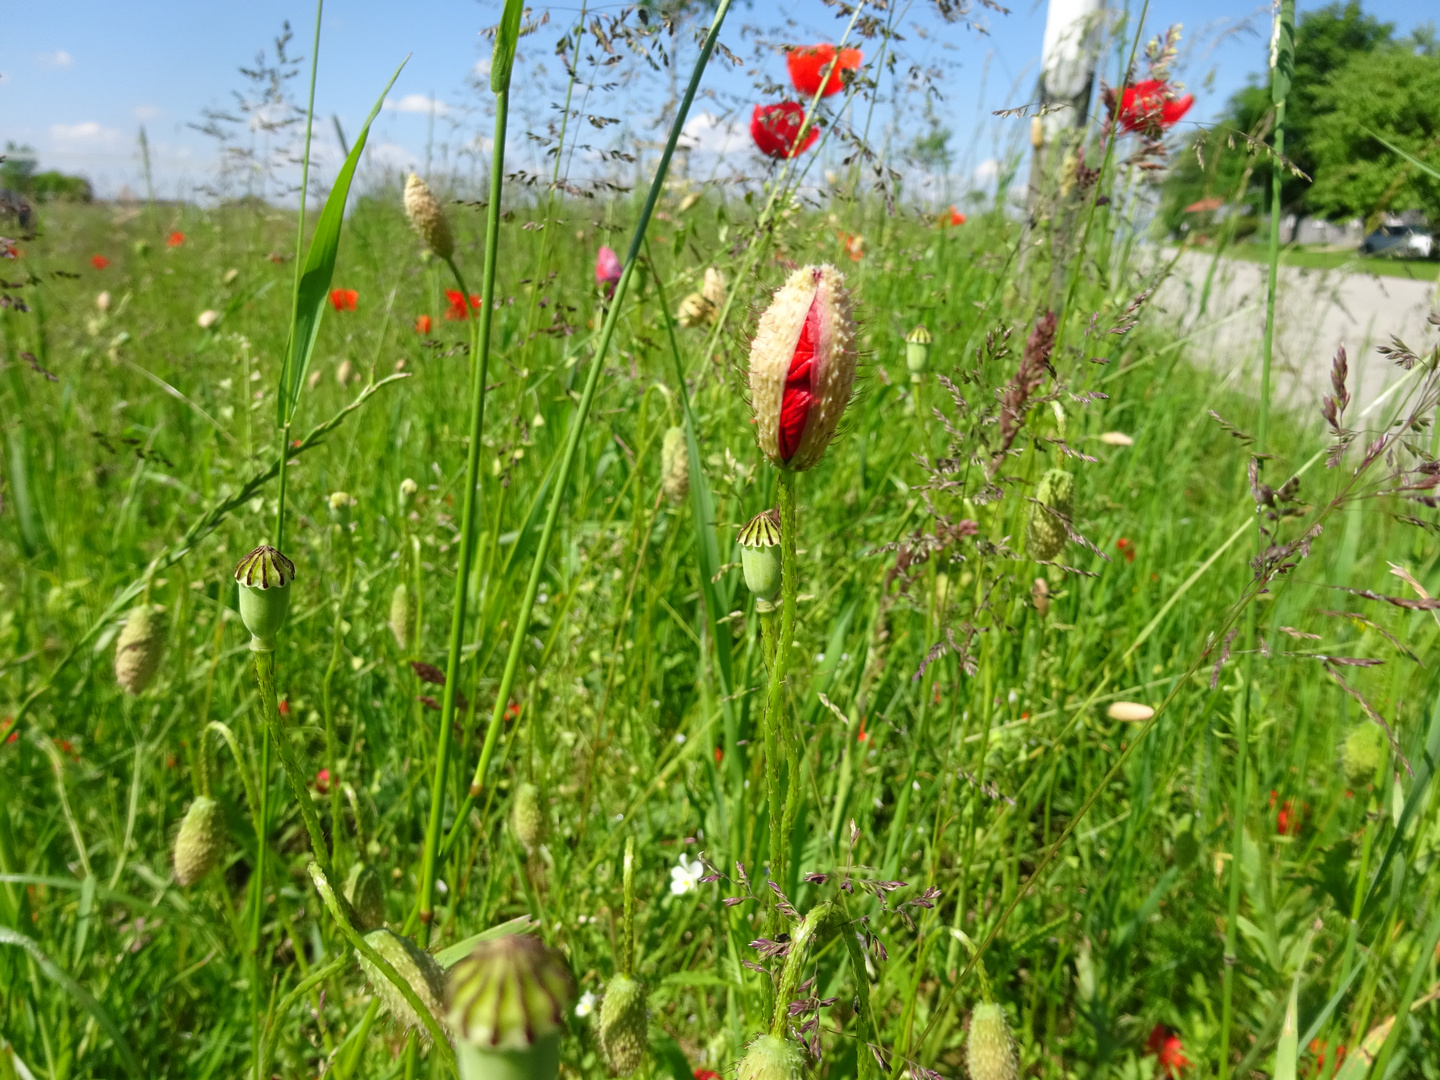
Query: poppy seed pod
[760, 555]
[527, 817]
[1046, 535]
[1363, 751]
[264, 577]
[771, 1057]
[366, 893]
[802, 367]
[428, 217]
[415, 966]
[675, 465]
[138, 648]
[507, 1002]
[989, 1050]
[623, 1027]
[400, 615]
[917, 350]
[200, 841]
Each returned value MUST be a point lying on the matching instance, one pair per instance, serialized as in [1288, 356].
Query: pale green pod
[264, 577]
[990, 1049]
[138, 648]
[760, 555]
[509, 995]
[1046, 534]
[917, 350]
[415, 966]
[200, 841]
[527, 817]
[623, 1026]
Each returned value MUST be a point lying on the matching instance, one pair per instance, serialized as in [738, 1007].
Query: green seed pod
[415, 966]
[507, 1002]
[990, 1051]
[366, 893]
[138, 648]
[1363, 752]
[400, 615]
[917, 350]
[1046, 535]
[527, 817]
[264, 577]
[623, 1027]
[200, 841]
[770, 1057]
[428, 217]
[760, 555]
[675, 465]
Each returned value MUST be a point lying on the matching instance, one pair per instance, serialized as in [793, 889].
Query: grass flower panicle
[427, 217]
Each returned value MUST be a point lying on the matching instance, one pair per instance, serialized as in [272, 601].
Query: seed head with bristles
[138, 648]
[200, 841]
[428, 217]
[415, 966]
[675, 465]
[990, 1049]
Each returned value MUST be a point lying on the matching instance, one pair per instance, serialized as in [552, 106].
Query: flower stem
[781, 820]
[627, 936]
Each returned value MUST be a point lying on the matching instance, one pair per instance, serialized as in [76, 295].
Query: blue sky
[77, 79]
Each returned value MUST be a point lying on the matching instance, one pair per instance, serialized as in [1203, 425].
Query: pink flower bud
[607, 270]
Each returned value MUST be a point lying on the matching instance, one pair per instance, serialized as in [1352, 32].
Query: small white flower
[680, 738]
[686, 876]
[208, 318]
[586, 1005]
[1014, 697]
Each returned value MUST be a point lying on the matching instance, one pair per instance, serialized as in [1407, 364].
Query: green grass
[1351, 262]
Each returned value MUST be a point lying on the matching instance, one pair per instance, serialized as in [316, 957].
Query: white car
[1403, 241]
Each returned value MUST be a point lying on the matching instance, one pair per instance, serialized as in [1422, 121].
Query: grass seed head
[264, 577]
[400, 616]
[428, 217]
[138, 648]
[760, 555]
[415, 966]
[990, 1050]
[675, 465]
[1363, 752]
[694, 311]
[201, 840]
[917, 350]
[1046, 535]
[771, 1057]
[1040, 596]
[527, 817]
[509, 994]
[366, 893]
[623, 1025]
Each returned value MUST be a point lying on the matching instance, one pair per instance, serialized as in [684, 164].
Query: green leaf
[447, 958]
[1282, 52]
[507, 36]
[319, 272]
[1424, 770]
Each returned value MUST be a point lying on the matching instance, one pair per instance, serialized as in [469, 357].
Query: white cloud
[986, 171]
[57, 59]
[87, 135]
[417, 103]
[711, 135]
[481, 70]
[388, 155]
[146, 112]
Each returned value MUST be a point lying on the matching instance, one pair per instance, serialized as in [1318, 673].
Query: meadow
[1087, 728]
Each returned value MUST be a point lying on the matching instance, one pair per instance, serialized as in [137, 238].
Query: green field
[1351, 262]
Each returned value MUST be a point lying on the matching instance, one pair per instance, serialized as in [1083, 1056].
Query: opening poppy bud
[400, 615]
[1046, 535]
[713, 289]
[675, 465]
[366, 893]
[989, 1049]
[415, 966]
[507, 1002]
[694, 311]
[428, 217]
[1363, 752]
[917, 350]
[802, 366]
[138, 648]
[264, 577]
[527, 817]
[623, 1027]
[772, 1058]
[200, 841]
[760, 557]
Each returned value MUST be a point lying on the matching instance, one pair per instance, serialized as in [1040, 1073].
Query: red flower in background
[457, 311]
[1151, 106]
[343, 299]
[1318, 1048]
[175, 239]
[706, 1074]
[608, 269]
[806, 64]
[322, 781]
[1169, 1053]
[956, 217]
[284, 707]
[775, 129]
[100, 262]
[1126, 545]
[422, 324]
[1287, 821]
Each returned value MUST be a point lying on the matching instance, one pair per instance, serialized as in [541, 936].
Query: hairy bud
[200, 841]
[713, 288]
[989, 1050]
[771, 1057]
[400, 615]
[428, 217]
[366, 893]
[138, 648]
[527, 817]
[415, 966]
[623, 1025]
[1363, 752]
[675, 465]
[695, 310]
[1046, 535]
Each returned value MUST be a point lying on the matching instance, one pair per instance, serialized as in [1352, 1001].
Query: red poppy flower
[1319, 1048]
[956, 217]
[457, 311]
[100, 262]
[175, 239]
[608, 269]
[422, 324]
[807, 63]
[719, 755]
[854, 246]
[799, 394]
[1151, 106]
[775, 129]
[512, 710]
[864, 735]
[1169, 1053]
[343, 299]
[1127, 546]
[706, 1074]
[322, 781]
[284, 707]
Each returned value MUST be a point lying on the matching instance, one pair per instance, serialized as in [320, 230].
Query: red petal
[799, 394]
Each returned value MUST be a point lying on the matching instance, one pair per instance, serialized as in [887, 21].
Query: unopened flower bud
[1047, 535]
[507, 1002]
[138, 648]
[623, 1025]
[675, 465]
[415, 966]
[527, 817]
[428, 217]
[264, 577]
[771, 1057]
[1364, 750]
[408, 488]
[713, 288]
[802, 367]
[400, 615]
[760, 555]
[200, 841]
[341, 503]
[366, 893]
[695, 310]
[989, 1049]
[917, 350]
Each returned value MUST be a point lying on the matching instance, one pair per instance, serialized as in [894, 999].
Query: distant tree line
[18, 174]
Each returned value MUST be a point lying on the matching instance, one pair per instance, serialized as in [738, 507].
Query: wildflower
[990, 1048]
[175, 239]
[1287, 821]
[685, 876]
[1319, 1048]
[207, 318]
[802, 366]
[100, 262]
[457, 311]
[776, 130]
[813, 64]
[8, 250]
[322, 781]
[422, 324]
[343, 299]
[284, 706]
[955, 217]
[1169, 1053]
[586, 1005]
[102, 301]
[607, 269]
[863, 736]
[1151, 107]
[854, 246]
[428, 217]
[415, 966]
[706, 1074]
[719, 755]
[1126, 546]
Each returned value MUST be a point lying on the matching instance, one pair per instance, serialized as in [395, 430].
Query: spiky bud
[138, 648]
[1363, 751]
[366, 893]
[695, 310]
[675, 465]
[713, 288]
[1046, 535]
[989, 1050]
[623, 1025]
[802, 367]
[527, 817]
[506, 1003]
[428, 217]
[760, 555]
[771, 1057]
[917, 350]
[415, 966]
[400, 615]
[200, 841]
[264, 578]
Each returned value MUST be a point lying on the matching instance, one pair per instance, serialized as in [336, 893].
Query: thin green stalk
[299, 784]
[779, 668]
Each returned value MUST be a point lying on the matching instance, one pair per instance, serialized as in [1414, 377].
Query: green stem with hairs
[627, 932]
[814, 930]
[781, 821]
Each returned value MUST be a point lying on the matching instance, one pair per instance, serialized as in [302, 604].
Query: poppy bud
[771, 1057]
[675, 465]
[428, 217]
[366, 893]
[760, 556]
[138, 648]
[917, 350]
[527, 817]
[411, 963]
[1040, 596]
[713, 289]
[624, 1025]
[695, 310]
[1364, 750]
[200, 840]
[408, 488]
[1046, 535]
[989, 1050]
[400, 615]
[264, 577]
[802, 367]
[340, 505]
[507, 1002]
